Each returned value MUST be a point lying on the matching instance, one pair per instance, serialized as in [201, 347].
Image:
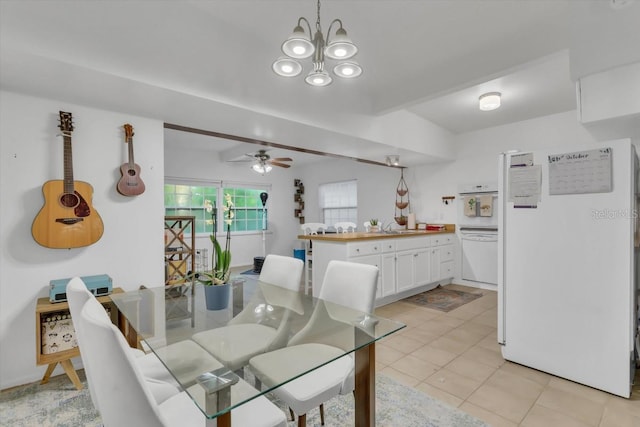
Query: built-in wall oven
[478, 228]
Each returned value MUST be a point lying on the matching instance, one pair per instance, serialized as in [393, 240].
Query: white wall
[376, 188]
[130, 251]
[477, 159]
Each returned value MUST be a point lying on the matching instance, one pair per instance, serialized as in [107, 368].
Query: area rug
[443, 299]
[59, 404]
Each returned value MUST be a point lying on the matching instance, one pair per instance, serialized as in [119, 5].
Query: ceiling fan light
[489, 101]
[348, 69]
[298, 45]
[318, 78]
[261, 168]
[340, 46]
[286, 67]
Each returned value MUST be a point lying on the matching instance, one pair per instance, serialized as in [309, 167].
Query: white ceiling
[432, 58]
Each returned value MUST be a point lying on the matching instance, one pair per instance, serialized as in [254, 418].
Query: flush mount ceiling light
[489, 101]
[301, 45]
[393, 160]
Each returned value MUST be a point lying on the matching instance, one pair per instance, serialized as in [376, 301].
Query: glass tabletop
[260, 317]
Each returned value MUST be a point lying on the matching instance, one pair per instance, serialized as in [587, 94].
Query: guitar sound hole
[69, 200]
[131, 172]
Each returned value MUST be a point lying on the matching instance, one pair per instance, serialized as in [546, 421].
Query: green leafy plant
[373, 221]
[220, 259]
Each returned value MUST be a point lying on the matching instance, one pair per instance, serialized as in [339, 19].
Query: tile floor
[455, 357]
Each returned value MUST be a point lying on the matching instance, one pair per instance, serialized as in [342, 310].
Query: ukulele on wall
[130, 184]
[67, 219]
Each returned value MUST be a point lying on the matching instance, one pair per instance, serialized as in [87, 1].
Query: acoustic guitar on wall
[67, 219]
[130, 184]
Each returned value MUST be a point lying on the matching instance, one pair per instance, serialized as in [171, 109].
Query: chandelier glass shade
[302, 45]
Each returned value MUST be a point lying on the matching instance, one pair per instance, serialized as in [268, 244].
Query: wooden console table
[46, 308]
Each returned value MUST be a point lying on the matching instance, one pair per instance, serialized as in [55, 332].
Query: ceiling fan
[263, 162]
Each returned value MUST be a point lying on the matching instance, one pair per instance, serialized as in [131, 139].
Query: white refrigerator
[567, 301]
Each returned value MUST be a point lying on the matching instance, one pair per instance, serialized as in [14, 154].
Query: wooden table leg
[71, 373]
[365, 386]
[48, 372]
[224, 420]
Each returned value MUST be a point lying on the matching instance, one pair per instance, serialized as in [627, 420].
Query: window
[191, 198]
[339, 201]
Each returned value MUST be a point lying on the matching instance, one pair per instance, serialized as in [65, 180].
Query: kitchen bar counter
[409, 262]
[362, 236]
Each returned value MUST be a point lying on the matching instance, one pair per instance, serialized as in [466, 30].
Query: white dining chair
[123, 394]
[258, 328]
[189, 359]
[345, 284]
[345, 227]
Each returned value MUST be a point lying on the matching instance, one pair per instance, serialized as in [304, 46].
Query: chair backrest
[282, 271]
[350, 285]
[310, 228]
[278, 270]
[121, 391]
[77, 296]
[345, 227]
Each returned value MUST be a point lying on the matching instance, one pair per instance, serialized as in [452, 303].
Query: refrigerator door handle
[503, 160]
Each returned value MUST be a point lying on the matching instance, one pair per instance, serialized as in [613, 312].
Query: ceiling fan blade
[245, 158]
[282, 159]
[282, 165]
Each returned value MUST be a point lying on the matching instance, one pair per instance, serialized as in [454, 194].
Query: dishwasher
[479, 254]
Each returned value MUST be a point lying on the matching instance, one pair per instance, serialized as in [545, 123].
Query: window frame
[219, 186]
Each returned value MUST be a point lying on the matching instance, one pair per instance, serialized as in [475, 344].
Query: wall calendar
[581, 172]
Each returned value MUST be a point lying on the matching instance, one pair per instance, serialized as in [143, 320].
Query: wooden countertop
[360, 236]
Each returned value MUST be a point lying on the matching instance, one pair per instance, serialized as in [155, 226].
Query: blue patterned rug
[59, 404]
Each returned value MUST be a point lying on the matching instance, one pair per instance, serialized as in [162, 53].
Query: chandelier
[299, 45]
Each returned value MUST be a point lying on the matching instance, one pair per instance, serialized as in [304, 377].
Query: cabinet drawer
[388, 246]
[446, 253]
[408, 243]
[444, 239]
[364, 248]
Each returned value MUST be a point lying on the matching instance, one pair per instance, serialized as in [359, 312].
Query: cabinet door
[388, 274]
[446, 270]
[421, 267]
[375, 261]
[404, 270]
[436, 255]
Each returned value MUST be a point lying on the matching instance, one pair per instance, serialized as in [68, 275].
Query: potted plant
[215, 281]
[374, 225]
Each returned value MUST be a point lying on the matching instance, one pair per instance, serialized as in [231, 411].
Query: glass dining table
[160, 317]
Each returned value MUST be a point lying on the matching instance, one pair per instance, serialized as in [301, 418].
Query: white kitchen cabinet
[404, 262]
[412, 264]
[388, 274]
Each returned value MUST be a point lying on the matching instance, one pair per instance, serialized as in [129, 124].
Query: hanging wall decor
[402, 200]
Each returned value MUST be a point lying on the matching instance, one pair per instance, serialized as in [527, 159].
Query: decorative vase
[374, 229]
[217, 296]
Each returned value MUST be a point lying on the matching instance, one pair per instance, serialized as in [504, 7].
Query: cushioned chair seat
[234, 345]
[186, 358]
[276, 366]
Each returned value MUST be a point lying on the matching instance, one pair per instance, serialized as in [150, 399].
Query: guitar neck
[131, 160]
[68, 164]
